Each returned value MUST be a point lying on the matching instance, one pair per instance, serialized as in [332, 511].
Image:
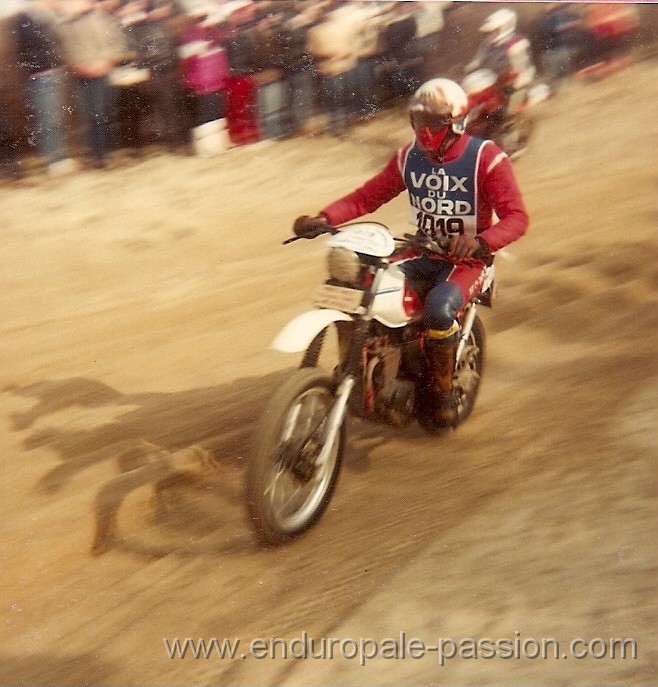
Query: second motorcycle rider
[455, 184]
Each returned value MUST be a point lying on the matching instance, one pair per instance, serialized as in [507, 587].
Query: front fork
[336, 417]
[467, 325]
[353, 370]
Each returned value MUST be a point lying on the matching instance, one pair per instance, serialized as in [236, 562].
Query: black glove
[483, 252]
[310, 227]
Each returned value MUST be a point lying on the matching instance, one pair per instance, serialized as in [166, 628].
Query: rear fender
[297, 335]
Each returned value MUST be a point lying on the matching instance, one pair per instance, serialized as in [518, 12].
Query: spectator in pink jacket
[204, 68]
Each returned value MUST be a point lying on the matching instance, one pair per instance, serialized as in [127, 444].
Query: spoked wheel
[469, 370]
[293, 472]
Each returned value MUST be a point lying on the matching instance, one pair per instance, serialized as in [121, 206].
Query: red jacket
[498, 192]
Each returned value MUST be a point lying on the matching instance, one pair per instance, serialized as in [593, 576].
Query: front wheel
[288, 487]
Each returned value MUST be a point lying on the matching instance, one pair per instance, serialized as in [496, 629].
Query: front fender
[297, 335]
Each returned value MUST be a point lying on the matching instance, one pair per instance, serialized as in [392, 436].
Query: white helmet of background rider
[499, 26]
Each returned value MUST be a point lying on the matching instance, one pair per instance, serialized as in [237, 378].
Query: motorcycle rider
[455, 183]
[506, 53]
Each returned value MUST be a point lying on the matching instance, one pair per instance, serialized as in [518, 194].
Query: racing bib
[443, 198]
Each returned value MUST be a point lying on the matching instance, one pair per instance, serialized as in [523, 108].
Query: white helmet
[500, 25]
[440, 98]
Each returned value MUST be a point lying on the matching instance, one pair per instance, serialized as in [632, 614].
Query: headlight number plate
[338, 298]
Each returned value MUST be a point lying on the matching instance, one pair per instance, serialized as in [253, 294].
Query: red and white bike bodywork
[379, 373]
[393, 305]
[508, 124]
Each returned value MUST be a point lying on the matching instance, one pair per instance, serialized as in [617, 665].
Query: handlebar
[439, 245]
[313, 235]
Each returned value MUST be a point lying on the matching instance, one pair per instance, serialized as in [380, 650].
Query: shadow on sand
[182, 452]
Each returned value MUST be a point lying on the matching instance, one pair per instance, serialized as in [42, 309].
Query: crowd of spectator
[101, 80]
[197, 76]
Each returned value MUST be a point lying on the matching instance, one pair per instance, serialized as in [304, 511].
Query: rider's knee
[441, 307]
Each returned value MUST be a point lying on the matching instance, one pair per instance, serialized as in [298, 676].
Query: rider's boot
[441, 351]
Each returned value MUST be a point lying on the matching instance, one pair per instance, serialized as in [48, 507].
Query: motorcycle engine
[395, 401]
[392, 399]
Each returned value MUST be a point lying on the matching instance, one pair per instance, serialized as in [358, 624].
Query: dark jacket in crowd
[291, 47]
[153, 44]
[36, 45]
[241, 51]
[399, 38]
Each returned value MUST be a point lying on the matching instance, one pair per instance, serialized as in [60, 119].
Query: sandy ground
[137, 305]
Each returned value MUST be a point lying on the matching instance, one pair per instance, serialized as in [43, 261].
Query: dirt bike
[380, 374]
[510, 123]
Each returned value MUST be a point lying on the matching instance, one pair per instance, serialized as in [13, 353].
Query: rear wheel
[469, 371]
[288, 487]
[516, 135]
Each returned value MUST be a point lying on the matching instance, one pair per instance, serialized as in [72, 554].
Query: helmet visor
[421, 120]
